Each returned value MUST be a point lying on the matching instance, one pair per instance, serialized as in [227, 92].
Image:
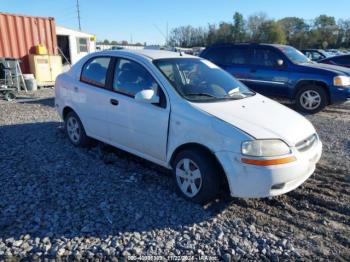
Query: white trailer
[74, 44]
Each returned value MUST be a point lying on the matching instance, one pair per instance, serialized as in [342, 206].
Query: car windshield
[325, 53]
[199, 80]
[294, 55]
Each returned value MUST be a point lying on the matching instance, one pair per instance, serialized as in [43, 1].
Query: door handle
[114, 102]
[76, 89]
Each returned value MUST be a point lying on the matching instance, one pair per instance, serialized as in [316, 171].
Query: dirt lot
[61, 201]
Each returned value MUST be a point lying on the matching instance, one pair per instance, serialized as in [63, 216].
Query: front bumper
[250, 181]
[339, 94]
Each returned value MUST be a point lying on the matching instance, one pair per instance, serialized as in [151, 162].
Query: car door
[138, 127]
[90, 95]
[267, 76]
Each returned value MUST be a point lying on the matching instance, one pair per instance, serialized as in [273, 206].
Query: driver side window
[131, 78]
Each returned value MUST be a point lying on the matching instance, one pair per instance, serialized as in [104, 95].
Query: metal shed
[19, 34]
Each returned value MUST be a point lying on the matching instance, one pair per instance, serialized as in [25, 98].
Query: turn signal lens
[341, 81]
[268, 162]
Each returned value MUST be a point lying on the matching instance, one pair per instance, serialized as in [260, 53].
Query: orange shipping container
[19, 34]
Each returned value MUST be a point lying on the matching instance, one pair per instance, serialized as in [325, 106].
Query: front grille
[307, 143]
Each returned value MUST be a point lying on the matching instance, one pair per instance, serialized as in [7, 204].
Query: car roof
[337, 56]
[311, 49]
[247, 45]
[148, 53]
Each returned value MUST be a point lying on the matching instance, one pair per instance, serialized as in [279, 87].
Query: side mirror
[147, 96]
[280, 62]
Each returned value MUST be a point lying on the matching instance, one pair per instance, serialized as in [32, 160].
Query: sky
[146, 20]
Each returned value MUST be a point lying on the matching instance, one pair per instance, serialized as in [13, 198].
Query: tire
[199, 187]
[75, 130]
[9, 96]
[312, 106]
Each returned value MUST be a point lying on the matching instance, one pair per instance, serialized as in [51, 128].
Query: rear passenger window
[95, 71]
[238, 56]
[228, 56]
[265, 57]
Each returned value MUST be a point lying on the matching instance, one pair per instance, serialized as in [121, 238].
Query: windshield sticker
[234, 90]
[209, 64]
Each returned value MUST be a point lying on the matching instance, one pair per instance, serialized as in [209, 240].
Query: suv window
[265, 57]
[228, 55]
[217, 55]
[94, 72]
[238, 56]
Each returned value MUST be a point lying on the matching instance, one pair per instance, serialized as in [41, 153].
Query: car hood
[339, 70]
[261, 118]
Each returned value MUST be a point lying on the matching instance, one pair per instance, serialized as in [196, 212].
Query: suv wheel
[196, 175]
[311, 99]
[75, 130]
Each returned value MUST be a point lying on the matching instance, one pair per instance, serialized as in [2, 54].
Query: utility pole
[78, 11]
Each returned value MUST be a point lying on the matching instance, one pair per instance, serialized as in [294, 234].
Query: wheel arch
[322, 84]
[198, 146]
[66, 110]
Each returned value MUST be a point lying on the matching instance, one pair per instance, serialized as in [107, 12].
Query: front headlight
[341, 81]
[265, 148]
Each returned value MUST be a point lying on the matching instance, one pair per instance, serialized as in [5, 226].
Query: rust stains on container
[19, 34]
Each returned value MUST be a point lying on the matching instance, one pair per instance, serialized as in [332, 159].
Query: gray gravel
[57, 201]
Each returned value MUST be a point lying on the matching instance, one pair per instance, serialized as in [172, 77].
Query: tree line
[123, 42]
[322, 32]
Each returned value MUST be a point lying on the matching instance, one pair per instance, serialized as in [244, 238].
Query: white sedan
[188, 115]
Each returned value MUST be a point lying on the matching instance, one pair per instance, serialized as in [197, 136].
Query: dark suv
[283, 71]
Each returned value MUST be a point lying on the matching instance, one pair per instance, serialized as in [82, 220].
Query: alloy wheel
[188, 177]
[310, 99]
[73, 129]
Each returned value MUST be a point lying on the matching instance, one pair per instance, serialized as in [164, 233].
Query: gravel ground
[57, 201]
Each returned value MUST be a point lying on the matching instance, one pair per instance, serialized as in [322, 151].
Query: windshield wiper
[202, 94]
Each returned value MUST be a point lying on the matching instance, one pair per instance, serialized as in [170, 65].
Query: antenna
[161, 32]
[78, 11]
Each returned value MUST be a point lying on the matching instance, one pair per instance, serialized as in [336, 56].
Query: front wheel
[311, 99]
[197, 176]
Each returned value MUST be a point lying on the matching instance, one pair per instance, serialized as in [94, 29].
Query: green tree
[325, 29]
[224, 33]
[254, 24]
[106, 42]
[272, 32]
[296, 31]
[344, 33]
[238, 28]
